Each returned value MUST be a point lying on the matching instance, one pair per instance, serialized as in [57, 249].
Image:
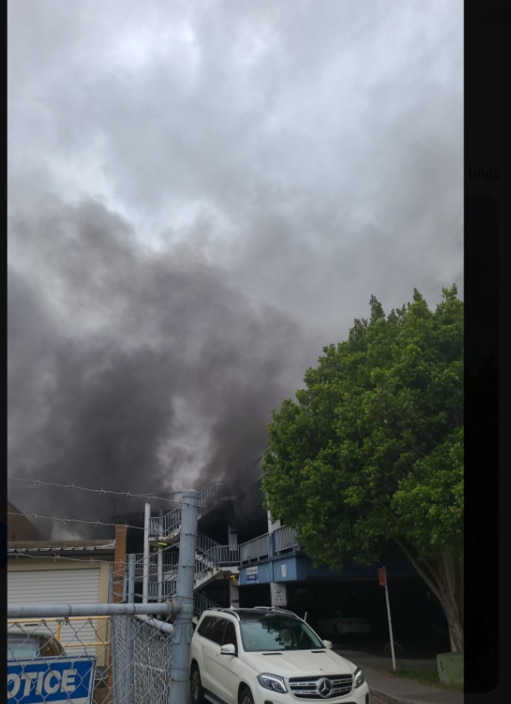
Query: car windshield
[30, 645]
[21, 647]
[278, 634]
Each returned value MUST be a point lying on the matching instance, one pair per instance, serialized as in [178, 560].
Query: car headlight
[358, 678]
[273, 682]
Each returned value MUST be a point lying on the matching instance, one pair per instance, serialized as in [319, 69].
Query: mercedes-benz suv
[266, 655]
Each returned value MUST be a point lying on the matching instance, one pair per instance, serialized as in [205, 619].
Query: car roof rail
[268, 609]
[279, 609]
[223, 609]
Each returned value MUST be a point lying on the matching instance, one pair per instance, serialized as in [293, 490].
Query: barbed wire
[176, 504]
[72, 520]
[82, 520]
[138, 563]
[129, 494]
[88, 560]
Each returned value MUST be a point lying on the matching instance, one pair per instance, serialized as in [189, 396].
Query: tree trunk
[456, 633]
[444, 576]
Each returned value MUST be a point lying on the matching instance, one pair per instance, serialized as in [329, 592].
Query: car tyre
[246, 696]
[196, 689]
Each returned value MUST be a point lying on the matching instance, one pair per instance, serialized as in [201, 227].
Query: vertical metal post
[160, 559]
[145, 578]
[128, 676]
[111, 584]
[131, 579]
[125, 587]
[182, 632]
[271, 551]
[390, 629]
[382, 578]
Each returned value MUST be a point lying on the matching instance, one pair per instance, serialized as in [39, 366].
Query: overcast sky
[201, 196]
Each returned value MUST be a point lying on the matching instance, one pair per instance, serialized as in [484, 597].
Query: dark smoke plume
[132, 370]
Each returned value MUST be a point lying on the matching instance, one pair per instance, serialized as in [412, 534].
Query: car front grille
[325, 687]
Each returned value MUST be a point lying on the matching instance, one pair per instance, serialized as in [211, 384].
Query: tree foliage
[371, 450]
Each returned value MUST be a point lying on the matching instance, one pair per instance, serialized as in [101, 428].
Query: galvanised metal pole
[160, 559]
[65, 610]
[128, 675]
[145, 578]
[182, 633]
[382, 579]
[390, 628]
[131, 579]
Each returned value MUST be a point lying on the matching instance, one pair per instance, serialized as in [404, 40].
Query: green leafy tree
[370, 453]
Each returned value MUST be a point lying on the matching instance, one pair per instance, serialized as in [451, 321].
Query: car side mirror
[228, 649]
[328, 644]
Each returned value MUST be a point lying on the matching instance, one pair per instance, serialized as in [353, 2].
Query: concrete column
[234, 591]
[278, 590]
[278, 593]
[232, 536]
[234, 585]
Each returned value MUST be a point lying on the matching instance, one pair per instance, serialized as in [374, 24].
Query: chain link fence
[142, 655]
[118, 653]
[100, 659]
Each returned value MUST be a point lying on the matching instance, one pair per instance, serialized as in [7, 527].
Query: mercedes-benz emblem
[324, 687]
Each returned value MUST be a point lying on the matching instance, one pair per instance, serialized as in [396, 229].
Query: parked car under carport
[338, 622]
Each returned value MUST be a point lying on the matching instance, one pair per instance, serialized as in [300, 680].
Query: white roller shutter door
[60, 586]
[69, 586]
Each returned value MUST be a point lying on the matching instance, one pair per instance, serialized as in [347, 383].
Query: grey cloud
[201, 196]
[311, 110]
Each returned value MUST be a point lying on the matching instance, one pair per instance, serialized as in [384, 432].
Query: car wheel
[246, 697]
[196, 690]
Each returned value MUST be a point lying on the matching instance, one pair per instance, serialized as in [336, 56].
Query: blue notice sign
[57, 679]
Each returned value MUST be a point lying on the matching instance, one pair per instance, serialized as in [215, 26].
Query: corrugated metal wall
[62, 586]
[55, 586]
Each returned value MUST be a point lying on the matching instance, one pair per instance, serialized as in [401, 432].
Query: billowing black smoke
[132, 371]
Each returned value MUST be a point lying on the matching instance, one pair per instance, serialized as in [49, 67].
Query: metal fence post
[182, 632]
[129, 631]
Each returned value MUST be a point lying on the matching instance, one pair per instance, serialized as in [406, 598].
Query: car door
[225, 668]
[212, 632]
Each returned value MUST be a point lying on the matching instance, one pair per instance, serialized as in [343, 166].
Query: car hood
[294, 663]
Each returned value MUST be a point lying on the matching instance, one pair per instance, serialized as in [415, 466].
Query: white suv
[266, 655]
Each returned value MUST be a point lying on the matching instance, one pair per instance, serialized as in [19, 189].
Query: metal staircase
[166, 528]
[212, 559]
